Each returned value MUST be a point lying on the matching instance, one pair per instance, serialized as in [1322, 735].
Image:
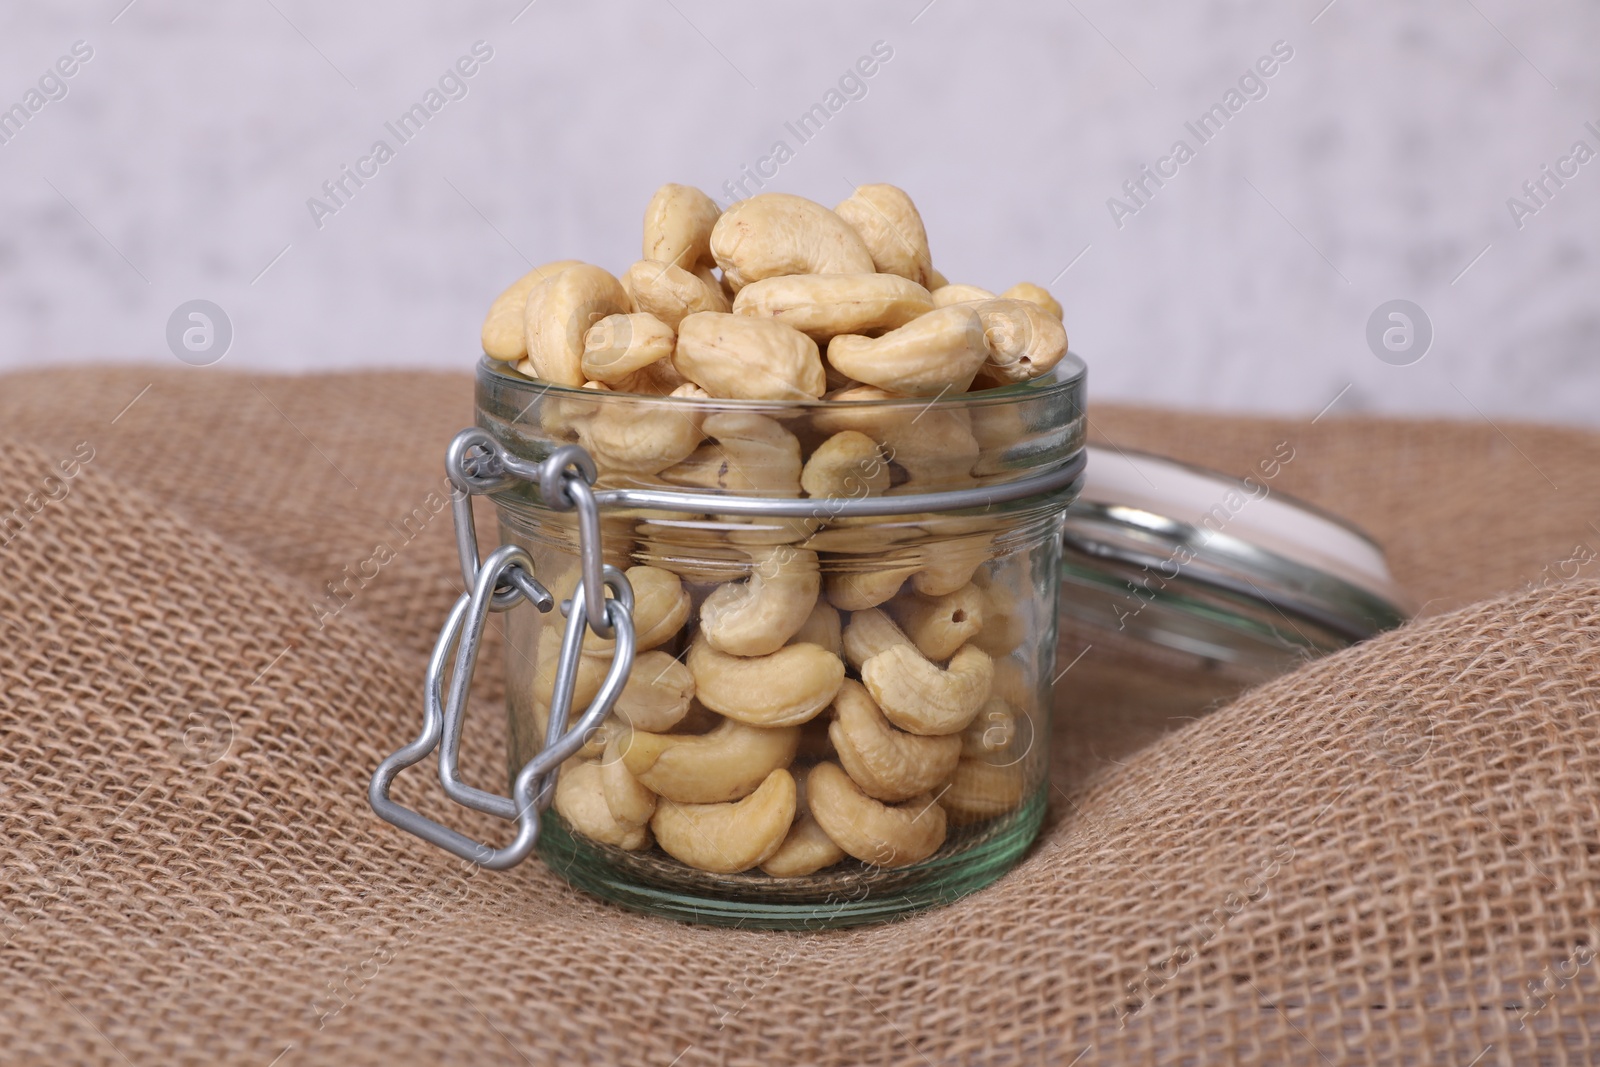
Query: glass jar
[841, 634]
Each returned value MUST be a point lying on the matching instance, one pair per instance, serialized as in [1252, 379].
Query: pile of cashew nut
[805, 690]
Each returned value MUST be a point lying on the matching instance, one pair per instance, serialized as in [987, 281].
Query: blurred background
[1418, 152]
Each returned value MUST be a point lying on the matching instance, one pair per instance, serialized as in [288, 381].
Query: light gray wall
[1378, 165]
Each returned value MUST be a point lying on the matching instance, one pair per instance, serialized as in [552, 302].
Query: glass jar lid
[1230, 570]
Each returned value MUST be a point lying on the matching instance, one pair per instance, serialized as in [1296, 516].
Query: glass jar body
[833, 718]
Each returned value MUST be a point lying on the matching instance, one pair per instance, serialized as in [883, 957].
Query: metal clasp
[477, 466]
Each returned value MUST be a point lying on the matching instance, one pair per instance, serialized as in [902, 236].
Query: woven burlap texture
[1386, 856]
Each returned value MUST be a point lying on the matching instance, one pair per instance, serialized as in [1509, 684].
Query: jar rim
[1066, 377]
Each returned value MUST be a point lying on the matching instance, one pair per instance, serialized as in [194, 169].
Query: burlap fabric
[1387, 856]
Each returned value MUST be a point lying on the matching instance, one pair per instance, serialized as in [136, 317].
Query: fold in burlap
[1387, 855]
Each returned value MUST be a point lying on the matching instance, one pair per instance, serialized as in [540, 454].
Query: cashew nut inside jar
[833, 493]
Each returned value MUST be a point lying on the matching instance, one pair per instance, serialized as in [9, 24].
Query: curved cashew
[660, 378]
[857, 586]
[660, 607]
[642, 437]
[917, 695]
[821, 628]
[747, 453]
[630, 803]
[953, 563]
[1013, 684]
[591, 670]
[979, 790]
[1034, 294]
[940, 625]
[870, 631]
[935, 353]
[1005, 622]
[825, 305]
[848, 410]
[740, 358]
[951, 295]
[888, 764]
[725, 764]
[677, 226]
[991, 732]
[1024, 340]
[848, 464]
[728, 838]
[776, 233]
[892, 230]
[658, 693]
[505, 332]
[669, 292]
[785, 688]
[873, 832]
[618, 346]
[560, 311]
[760, 615]
[936, 451]
[580, 799]
[806, 849]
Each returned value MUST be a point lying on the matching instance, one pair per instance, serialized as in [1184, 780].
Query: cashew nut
[669, 292]
[586, 683]
[728, 838]
[660, 606]
[772, 234]
[630, 803]
[660, 378]
[581, 800]
[991, 732]
[1013, 684]
[619, 345]
[935, 451]
[643, 436]
[784, 688]
[1024, 340]
[760, 615]
[892, 230]
[740, 358]
[848, 464]
[747, 453]
[1005, 622]
[951, 295]
[560, 311]
[725, 764]
[918, 695]
[873, 832]
[888, 764]
[870, 631]
[658, 692]
[981, 790]
[1034, 294]
[856, 586]
[848, 409]
[952, 563]
[936, 353]
[677, 226]
[939, 625]
[505, 332]
[824, 305]
[821, 628]
[807, 848]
